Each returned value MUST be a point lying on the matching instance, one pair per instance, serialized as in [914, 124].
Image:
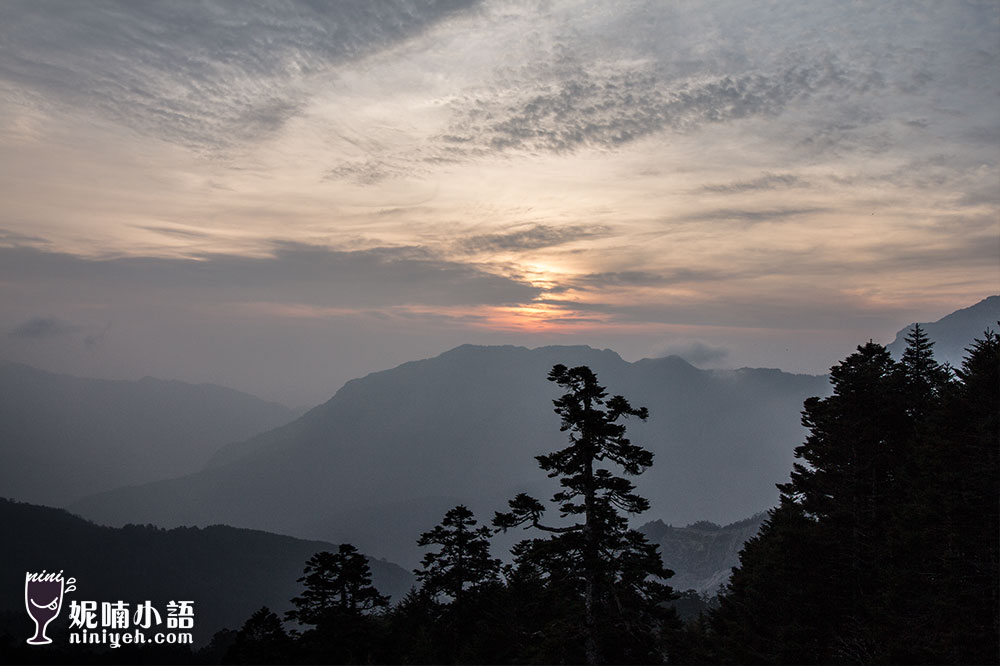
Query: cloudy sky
[279, 196]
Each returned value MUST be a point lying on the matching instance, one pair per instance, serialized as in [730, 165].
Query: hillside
[65, 437]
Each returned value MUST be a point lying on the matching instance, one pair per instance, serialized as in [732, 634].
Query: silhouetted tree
[924, 378]
[261, 640]
[336, 584]
[460, 613]
[884, 546]
[954, 544]
[610, 568]
[463, 561]
[338, 600]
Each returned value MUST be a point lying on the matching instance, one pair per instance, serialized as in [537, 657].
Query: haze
[279, 197]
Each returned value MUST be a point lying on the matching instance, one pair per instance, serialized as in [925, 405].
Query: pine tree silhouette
[611, 568]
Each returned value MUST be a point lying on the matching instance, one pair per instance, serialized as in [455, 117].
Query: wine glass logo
[43, 595]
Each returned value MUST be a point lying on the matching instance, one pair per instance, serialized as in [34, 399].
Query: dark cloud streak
[647, 279]
[530, 238]
[767, 182]
[750, 216]
[295, 273]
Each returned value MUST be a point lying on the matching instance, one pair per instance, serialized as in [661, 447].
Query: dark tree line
[883, 548]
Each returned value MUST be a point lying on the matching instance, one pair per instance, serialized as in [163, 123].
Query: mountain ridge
[954, 332]
[467, 424]
[66, 436]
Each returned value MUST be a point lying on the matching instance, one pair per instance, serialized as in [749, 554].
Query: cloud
[753, 216]
[293, 273]
[530, 238]
[769, 181]
[179, 232]
[201, 74]
[811, 308]
[807, 86]
[989, 135]
[364, 172]
[694, 352]
[573, 107]
[42, 328]
[647, 278]
[11, 238]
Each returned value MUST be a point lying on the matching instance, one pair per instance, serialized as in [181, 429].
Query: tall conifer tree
[613, 568]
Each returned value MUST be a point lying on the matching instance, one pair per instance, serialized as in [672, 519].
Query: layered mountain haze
[386, 456]
[65, 437]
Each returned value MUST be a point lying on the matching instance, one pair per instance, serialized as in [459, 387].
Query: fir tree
[339, 601]
[463, 561]
[336, 584]
[923, 377]
[599, 560]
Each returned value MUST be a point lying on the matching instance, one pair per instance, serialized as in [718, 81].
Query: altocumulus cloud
[585, 108]
[570, 77]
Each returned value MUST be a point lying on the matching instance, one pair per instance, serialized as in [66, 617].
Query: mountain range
[382, 460]
[385, 457]
[65, 437]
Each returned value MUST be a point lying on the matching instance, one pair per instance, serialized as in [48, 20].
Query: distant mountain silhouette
[703, 554]
[65, 437]
[229, 573]
[953, 333]
[383, 459]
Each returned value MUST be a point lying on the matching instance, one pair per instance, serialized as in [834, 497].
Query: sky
[281, 196]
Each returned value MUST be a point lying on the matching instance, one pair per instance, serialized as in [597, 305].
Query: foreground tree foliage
[884, 546]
